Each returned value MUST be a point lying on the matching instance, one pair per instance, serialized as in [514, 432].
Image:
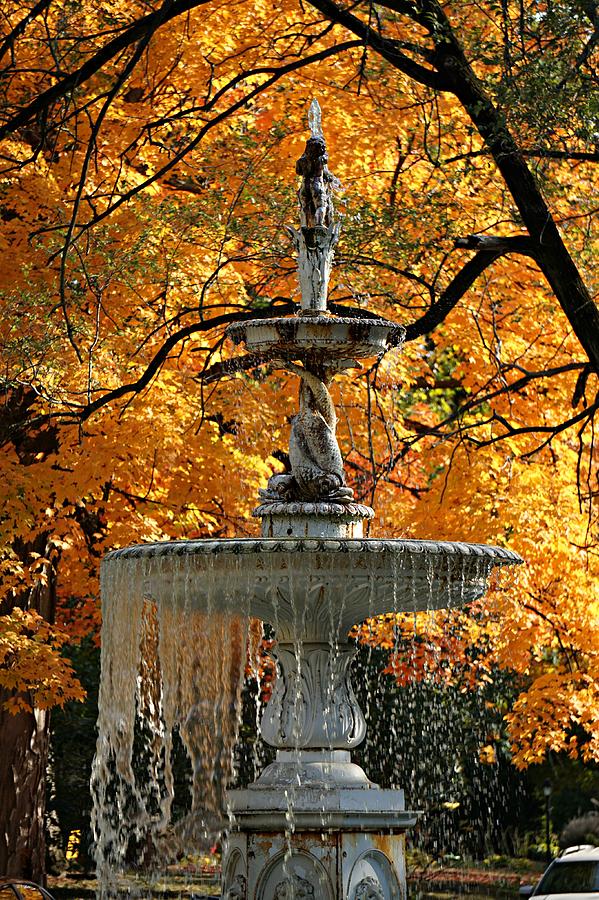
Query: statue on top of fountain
[315, 459]
[316, 462]
[315, 193]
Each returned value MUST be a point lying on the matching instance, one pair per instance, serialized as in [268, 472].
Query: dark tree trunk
[549, 249]
[24, 742]
[24, 753]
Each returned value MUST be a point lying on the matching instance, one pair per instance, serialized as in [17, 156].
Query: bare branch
[142, 28]
[8, 42]
[497, 244]
[90, 150]
[485, 396]
[220, 117]
[533, 153]
[551, 430]
[452, 294]
[388, 49]
[160, 357]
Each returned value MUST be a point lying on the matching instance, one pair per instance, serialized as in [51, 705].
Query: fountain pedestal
[313, 825]
[320, 841]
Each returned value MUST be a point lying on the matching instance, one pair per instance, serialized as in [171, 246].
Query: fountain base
[314, 826]
[320, 769]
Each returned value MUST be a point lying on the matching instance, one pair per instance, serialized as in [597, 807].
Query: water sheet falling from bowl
[171, 681]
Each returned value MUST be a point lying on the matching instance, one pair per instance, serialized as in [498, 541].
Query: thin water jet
[176, 625]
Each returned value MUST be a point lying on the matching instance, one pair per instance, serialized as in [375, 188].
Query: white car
[574, 875]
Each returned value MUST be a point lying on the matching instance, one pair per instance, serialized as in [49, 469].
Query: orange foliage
[183, 455]
[31, 666]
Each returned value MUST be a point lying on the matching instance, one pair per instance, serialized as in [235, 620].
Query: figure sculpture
[314, 453]
[314, 195]
[238, 889]
[369, 888]
[316, 462]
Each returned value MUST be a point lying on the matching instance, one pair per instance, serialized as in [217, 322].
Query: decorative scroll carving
[294, 888]
[312, 704]
[369, 889]
[331, 509]
[237, 890]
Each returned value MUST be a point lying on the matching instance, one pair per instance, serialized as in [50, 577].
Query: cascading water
[176, 625]
[170, 671]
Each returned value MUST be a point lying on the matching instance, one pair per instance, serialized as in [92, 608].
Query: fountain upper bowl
[296, 337]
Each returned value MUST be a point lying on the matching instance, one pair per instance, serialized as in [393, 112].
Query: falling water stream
[171, 670]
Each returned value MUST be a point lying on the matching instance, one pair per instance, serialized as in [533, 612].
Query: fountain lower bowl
[313, 588]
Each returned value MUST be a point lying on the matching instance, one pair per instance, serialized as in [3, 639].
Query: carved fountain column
[313, 825]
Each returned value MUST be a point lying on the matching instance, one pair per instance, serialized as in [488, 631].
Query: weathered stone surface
[312, 704]
[322, 337]
[313, 769]
[327, 865]
[313, 520]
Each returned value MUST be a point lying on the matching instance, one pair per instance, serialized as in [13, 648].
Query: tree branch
[558, 630]
[8, 42]
[452, 294]
[385, 47]
[220, 117]
[143, 27]
[551, 430]
[160, 357]
[551, 253]
[534, 153]
[122, 77]
[453, 72]
[485, 396]
[488, 243]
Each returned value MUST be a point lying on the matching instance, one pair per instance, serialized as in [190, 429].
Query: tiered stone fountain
[313, 825]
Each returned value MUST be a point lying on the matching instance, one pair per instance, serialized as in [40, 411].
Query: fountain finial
[315, 120]
[315, 241]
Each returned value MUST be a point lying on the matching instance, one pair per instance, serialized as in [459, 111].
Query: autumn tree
[146, 160]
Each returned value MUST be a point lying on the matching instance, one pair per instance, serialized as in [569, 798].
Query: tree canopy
[146, 176]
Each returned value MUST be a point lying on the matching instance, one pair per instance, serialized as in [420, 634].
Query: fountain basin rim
[324, 508]
[236, 329]
[240, 546]
[288, 336]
